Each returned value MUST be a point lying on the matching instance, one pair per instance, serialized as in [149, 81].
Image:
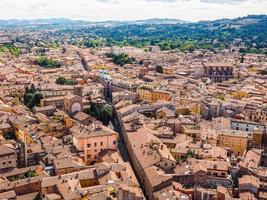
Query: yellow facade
[145, 94]
[153, 95]
[158, 95]
[68, 122]
[194, 108]
[257, 137]
[237, 143]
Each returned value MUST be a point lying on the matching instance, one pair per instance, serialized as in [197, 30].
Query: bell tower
[78, 90]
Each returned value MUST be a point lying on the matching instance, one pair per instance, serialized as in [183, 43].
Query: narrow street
[122, 147]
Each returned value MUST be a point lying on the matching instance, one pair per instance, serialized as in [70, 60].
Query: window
[95, 144]
[101, 143]
[4, 163]
[88, 145]
[114, 142]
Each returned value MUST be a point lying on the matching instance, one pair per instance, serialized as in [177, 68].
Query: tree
[15, 51]
[4, 49]
[54, 45]
[12, 50]
[32, 97]
[31, 174]
[159, 69]
[47, 63]
[63, 81]
[120, 59]
[105, 113]
[263, 72]
[94, 43]
[102, 113]
[221, 97]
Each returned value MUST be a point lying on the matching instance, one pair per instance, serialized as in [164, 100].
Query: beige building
[93, 139]
[237, 141]
[73, 104]
[8, 156]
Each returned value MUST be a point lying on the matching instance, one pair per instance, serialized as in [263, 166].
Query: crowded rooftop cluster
[128, 123]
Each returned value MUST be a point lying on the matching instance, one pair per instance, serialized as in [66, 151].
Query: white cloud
[99, 10]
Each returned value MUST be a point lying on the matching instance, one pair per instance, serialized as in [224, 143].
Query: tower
[73, 104]
[78, 90]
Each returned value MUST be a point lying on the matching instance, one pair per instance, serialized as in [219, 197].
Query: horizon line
[124, 20]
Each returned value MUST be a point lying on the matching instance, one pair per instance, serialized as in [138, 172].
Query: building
[249, 184]
[73, 104]
[56, 90]
[56, 101]
[91, 140]
[237, 141]
[83, 118]
[153, 95]
[256, 114]
[46, 110]
[5, 128]
[160, 95]
[8, 156]
[218, 72]
[243, 125]
[145, 94]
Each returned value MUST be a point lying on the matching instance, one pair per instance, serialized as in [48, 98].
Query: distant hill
[249, 33]
[232, 23]
[220, 23]
[60, 21]
[35, 22]
[158, 21]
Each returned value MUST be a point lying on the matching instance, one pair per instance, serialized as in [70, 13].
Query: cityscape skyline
[118, 10]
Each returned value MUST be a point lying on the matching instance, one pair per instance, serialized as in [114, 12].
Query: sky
[101, 10]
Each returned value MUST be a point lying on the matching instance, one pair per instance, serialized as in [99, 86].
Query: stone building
[218, 72]
[73, 104]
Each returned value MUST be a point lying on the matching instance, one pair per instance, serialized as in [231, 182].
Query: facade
[56, 101]
[152, 95]
[46, 110]
[236, 141]
[145, 94]
[92, 140]
[218, 72]
[57, 91]
[5, 128]
[246, 125]
[8, 156]
[256, 115]
[73, 104]
[127, 194]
